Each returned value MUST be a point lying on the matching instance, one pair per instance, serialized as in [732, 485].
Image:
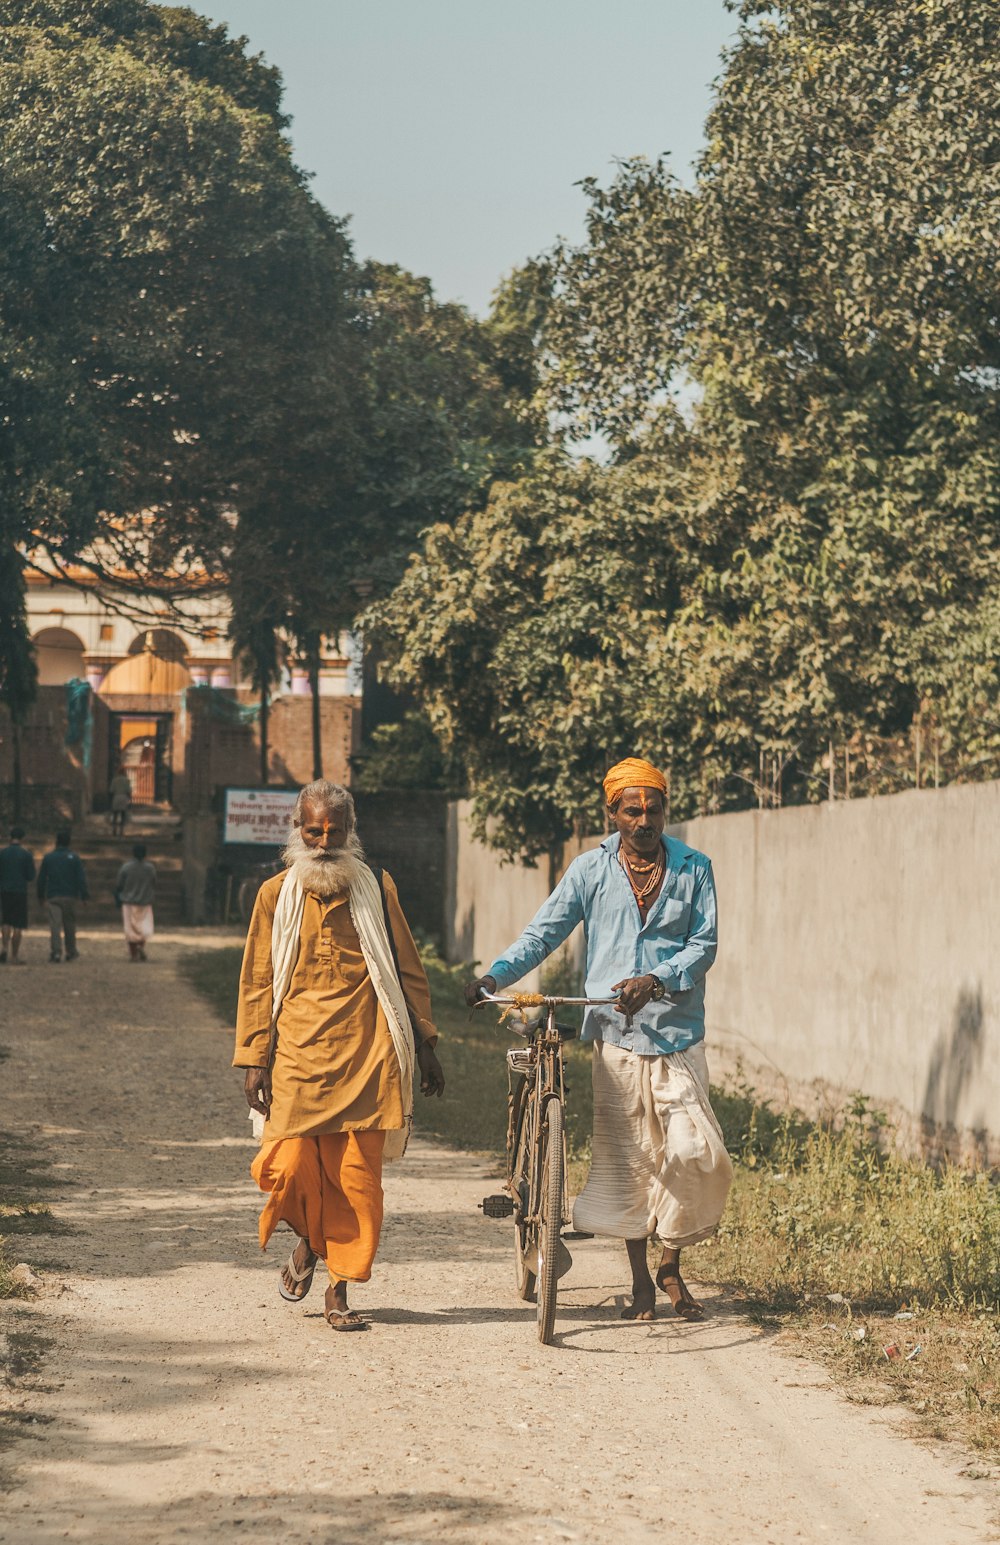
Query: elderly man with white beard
[333, 1006]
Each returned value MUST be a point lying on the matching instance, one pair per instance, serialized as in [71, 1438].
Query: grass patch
[215, 974]
[852, 1248]
[821, 1209]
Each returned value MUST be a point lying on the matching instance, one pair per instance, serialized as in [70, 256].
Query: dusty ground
[182, 1400]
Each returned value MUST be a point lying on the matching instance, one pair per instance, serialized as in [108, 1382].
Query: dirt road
[181, 1400]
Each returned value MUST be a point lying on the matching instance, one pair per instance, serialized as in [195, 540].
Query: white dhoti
[137, 923]
[659, 1162]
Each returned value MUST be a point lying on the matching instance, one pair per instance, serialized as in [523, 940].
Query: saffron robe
[334, 1067]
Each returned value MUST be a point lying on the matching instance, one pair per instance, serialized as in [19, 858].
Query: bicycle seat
[567, 1032]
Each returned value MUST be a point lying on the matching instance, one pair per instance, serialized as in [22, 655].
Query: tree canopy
[795, 364]
[186, 335]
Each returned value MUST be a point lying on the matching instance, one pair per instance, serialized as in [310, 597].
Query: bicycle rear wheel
[550, 1224]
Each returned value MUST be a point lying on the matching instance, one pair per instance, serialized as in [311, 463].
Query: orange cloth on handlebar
[633, 773]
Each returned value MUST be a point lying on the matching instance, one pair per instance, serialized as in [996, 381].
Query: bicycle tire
[525, 1235]
[550, 1225]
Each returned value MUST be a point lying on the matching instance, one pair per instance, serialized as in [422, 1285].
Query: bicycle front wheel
[525, 1234]
[550, 1220]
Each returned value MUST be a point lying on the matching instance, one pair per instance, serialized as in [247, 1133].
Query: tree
[172, 296]
[795, 365]
[18, 670]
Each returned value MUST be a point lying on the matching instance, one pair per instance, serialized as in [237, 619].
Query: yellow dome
[144, 675]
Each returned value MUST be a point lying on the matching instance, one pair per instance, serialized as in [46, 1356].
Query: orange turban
[633, 773]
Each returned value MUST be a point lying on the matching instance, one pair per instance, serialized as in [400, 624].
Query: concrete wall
[860, 946]
[487, 903]
[859, 950]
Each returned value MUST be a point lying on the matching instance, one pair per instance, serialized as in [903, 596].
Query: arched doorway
[59, 654]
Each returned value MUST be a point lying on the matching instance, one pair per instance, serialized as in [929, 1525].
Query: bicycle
[536, 1150]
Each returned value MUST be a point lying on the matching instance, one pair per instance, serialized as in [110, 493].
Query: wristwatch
[658, 989]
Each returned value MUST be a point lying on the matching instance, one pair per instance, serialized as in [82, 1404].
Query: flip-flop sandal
[348, 1315]
[686, 1309]
[305, 1277]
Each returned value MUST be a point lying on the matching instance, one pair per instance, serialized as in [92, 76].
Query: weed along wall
[860, 947]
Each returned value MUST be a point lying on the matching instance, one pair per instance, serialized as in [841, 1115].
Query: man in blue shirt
[17, 870]
[62, 882]
[647, 905]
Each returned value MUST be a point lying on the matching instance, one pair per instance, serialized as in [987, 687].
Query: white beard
[324, 874]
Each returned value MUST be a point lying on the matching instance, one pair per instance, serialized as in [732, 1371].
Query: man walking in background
[135, 891]
[17, 870]
[120, 790]
[62, 882]
[647, 902]
[333, 1004]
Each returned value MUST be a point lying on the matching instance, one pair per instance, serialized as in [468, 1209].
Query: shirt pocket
[675, 919]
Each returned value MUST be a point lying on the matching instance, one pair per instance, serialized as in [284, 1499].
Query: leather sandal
[344, 1319]
[305, 1278]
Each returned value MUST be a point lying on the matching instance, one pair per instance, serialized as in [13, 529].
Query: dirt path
[181, 1400]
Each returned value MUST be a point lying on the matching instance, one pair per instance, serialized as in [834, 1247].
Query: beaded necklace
[654, 871]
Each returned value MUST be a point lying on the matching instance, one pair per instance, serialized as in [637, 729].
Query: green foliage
[406, 755]
[796, 367]
[18, 670]
[823, 1208]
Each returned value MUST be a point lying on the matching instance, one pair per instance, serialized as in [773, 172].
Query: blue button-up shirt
[676, 943]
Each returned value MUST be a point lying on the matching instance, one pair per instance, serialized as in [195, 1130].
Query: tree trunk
[16, 748]
[312, 665]
[265, 750]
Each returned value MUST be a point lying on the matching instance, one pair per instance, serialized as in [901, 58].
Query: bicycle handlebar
[537, 1000]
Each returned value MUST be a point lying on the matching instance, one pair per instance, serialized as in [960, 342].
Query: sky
[453, 131]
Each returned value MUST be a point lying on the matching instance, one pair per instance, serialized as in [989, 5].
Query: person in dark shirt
[17, 870]
[62, 882]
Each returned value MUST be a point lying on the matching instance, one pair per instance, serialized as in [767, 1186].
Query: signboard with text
[262, 817]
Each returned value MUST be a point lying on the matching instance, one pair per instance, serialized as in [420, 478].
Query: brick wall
[55, 784]
[221, 754]
[207, 753]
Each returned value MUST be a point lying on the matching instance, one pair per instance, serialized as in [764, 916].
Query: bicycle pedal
[497, 1207]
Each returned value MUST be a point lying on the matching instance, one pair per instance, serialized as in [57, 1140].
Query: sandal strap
[298, 1276]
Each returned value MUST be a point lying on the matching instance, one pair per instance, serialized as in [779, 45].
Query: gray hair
[331, 797]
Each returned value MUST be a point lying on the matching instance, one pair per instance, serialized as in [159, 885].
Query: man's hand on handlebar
[480, 985]
[634, 993]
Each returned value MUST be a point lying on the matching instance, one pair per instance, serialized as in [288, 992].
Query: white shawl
[365, 902]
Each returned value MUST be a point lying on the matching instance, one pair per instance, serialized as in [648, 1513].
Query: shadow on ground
[322, 1516]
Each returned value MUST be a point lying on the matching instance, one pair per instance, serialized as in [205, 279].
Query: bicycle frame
[543, 1078]
[536, 1152]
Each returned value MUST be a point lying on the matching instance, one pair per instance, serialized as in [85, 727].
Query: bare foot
[643, 1305]
[670, 1281]
[339, 1315]
[304, 1260]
